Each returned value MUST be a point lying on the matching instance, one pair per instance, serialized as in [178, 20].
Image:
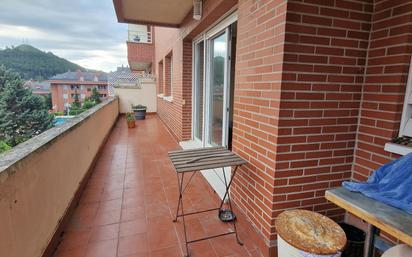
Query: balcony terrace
[126, 198]
[127, 206]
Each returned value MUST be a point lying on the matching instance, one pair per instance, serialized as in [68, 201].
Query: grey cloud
[69, 25]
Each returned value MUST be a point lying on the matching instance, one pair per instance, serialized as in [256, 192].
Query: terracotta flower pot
[131, 124]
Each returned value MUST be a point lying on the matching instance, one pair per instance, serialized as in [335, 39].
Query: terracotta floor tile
[127, 207]
[133, 213]
[133, 227]
[133, 244]
[146, 254]
[201, 249]
[160, 222]
[86, 209]
[105, 232]
[74, 240]
[110, 205]
[173, 251]
[112, 194]
[161, 238]
[78, 252]
[102, 249]
[212, 224]
[80, 223]
[134, 193]
[194, 230]
[157, 209]
[108, 217]
[226, 246]
[133, 202]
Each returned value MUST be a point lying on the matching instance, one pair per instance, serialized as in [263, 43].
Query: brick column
[260, 43]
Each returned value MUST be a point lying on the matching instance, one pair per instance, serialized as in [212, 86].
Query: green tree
[22, 114]
[76, 102]
[6, 75]
[48, 101]
[95, 97]
[4, 146]
[87, 104]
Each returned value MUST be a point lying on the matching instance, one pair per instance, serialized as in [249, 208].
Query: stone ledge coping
[16, 154]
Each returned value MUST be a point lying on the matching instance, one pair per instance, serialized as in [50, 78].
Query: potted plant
[139, 111]
[131, 121]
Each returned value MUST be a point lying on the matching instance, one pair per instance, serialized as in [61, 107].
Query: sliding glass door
[198, 91]
[212, 86]
[217, 85]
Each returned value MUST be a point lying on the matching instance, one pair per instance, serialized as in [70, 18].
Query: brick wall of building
[384, 89]
[58, 91]
[140, 52]
[342, 82]
[177, 113]
[258, 77]
[159, 72]
[325, 52]
[167, 87]
[319, 88]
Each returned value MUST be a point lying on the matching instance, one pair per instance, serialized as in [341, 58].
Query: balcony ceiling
[169, 13]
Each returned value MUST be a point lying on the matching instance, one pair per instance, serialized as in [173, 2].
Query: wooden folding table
[206, 159]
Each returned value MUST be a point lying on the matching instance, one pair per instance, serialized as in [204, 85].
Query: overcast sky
[85, 32]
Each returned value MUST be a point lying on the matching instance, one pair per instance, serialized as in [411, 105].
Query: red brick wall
[57, 92]
[325, 51]
[160, 79]
[384, 89]
[140, 52]
[177, 113]
[167, 90]
[171, 110]
[258, 77]
[317, 99]
[319, 88]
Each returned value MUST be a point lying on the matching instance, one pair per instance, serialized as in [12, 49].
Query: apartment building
[67, 86]
[309, 92]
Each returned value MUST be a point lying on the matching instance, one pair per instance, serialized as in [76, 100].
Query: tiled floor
[128, 204]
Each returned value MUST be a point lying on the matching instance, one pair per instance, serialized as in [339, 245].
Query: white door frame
[209, 34]
[214, 177]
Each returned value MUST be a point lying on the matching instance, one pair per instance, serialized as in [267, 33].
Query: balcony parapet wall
[40, 178]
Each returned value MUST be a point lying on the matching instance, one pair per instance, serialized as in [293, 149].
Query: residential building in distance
[38, 87]
[65, 86]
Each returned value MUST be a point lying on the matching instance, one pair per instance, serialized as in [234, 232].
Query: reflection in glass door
[213, 77]
[198, 91]
[217, 80]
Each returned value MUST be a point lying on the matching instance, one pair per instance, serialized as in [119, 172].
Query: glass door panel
[217, 80]
[198, 91]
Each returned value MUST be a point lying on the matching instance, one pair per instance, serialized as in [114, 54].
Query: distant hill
[32, 63]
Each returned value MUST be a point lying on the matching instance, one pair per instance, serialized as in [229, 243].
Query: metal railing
[140, 36]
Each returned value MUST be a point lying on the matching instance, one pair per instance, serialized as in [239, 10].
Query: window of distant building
[102, 95]
[89, 89]
[82, 87]
[65, 96]
[74, 87]
[65, 87]
[83, 96]
[101, 87]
